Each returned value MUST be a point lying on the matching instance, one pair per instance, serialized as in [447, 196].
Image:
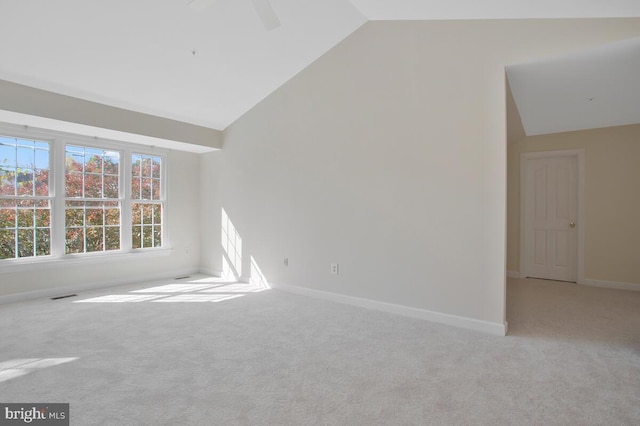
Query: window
[146, 201]
[65, 195]
[92, 202]
[25, 204]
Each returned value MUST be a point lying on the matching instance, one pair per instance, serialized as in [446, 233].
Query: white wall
[388, 156]
[50, 278]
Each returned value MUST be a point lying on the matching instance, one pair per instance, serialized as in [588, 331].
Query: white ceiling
[598, 87]
[210, 67]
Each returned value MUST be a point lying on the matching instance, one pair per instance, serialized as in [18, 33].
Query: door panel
[551, 205]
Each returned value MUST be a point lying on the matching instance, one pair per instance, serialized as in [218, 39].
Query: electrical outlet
[187, 251]
[286, 261]
[334, 269]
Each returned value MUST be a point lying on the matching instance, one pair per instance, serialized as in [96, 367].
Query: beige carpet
[201, 352]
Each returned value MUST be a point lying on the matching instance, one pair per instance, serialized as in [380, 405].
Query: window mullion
[58, 199]
[125, 197]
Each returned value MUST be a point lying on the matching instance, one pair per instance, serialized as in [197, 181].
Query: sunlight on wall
[231, 247]
[19, 367]
[202, 289]
[258, 279]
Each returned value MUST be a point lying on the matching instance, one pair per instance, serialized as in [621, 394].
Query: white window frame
[58, 142]
[18, 135]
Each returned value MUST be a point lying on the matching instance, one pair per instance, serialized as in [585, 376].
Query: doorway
[552, 186]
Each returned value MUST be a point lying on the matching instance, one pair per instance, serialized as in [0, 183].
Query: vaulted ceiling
[209, 65]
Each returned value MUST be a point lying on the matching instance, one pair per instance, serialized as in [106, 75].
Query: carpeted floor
[202, 352]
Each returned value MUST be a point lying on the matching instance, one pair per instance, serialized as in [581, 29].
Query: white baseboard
[211, 272]
[61, 291]
[494, 328]
[611, 284]
[513, 274]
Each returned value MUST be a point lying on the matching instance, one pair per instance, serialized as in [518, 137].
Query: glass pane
[157, 236]
[112, 164]
[74, 184]
[26, 158]
[94, 239]
[74, 217]
[156, 167]
[7, 155]
[43, 242]
[75, 240]
[7, 244]
[155, 193]
[8, 217]
[147, 236]
[146, 167]
[93, 162]
[74, 161]
[147, 214]
[112, 217]
[42, 182]
[136, 213]
[25, 242]
[157, 214]
[135, 165]
[112, 238]
[25, 202]
[146, 189]
[43, 218]
[7, 181]
[25, 182]
[135, 188]
[42, 159]
[111, 186]
[25, 218]
[94, 217]
[93, 186]
[136, 234]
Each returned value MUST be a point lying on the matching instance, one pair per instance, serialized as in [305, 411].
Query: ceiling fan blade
[200, 5]
[267, 14]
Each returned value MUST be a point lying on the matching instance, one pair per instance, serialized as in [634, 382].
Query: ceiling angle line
[267, 14]
[263, 8]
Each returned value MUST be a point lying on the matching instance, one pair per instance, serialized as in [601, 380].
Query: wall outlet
[187, 251]
[334, 269]
[286, 261]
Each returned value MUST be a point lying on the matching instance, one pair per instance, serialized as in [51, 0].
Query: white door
[550, 216]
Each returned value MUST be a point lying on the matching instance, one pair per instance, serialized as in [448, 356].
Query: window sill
[32, 264]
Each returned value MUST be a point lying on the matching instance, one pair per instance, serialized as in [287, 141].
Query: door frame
[524, 251]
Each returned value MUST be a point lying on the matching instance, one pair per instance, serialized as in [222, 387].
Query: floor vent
[182, 278]
[63, 297]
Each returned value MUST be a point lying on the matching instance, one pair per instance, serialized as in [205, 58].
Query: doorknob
[572, 225]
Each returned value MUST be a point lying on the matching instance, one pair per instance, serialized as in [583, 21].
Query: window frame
[162, 193]
[12, 133]
[88, 200]
[58, 142]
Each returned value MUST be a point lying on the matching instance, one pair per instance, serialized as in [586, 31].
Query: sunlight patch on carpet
[22, 366]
